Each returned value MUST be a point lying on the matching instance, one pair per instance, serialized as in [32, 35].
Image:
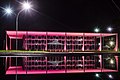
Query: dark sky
[62, 15]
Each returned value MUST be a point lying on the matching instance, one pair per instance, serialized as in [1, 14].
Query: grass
[20, 51]
[48, 51]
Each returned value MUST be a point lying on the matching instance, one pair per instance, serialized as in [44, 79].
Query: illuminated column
[83, 57]
[65, 43]
[46, 42]
[65, 64]
[83, 49]
[46, 64]
[100, 47]
[6, 42]
[116, 47]
[72, 45]
[10, 43]
[27, 38]
[100, 56]
[116, 58]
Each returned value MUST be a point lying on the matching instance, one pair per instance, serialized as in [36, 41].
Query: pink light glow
[12, 70]
[56, 33]
[74, 34]
[12, 34]
[35, 33]
[20, 34]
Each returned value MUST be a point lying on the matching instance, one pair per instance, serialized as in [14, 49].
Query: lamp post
[26, 6]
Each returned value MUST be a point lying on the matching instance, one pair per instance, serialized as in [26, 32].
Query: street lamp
[109, 29]
[96, 30]
[26, 6]
[110, 76]
[7, 11]
[98, 76]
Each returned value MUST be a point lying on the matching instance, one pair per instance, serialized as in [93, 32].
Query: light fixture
[111, 43]
[99, 60]
[97, 75]
[26, 5]
[110, 76]
[111, 61]
[7, 10]
[96, 30]
[109, 29]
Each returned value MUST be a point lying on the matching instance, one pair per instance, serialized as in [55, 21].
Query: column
[116, 58]
[100, 47]
[46, 64]
[6, 42]
[10, 43]
[65, 64]
[116, 47]
[46, 42]
[83, 49]
[100, 56]
[83, 57]
[65, 42]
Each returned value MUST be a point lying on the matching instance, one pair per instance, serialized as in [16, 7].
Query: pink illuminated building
[62, 52]
[63, 41]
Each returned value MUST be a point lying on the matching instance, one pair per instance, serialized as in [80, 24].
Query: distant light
[81, 39]
[110, 76]
[111, 43]
[97, 75]
[99, 44]
[111, 61]
[109, 29]
[96, 30]
[8, 11]
[36, 60]
[99, 60]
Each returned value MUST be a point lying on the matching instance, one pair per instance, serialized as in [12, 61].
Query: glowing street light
[25, 6]
[110, 76]
[97, 75]
[96, 30]
[109, 29]
[8, 11]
